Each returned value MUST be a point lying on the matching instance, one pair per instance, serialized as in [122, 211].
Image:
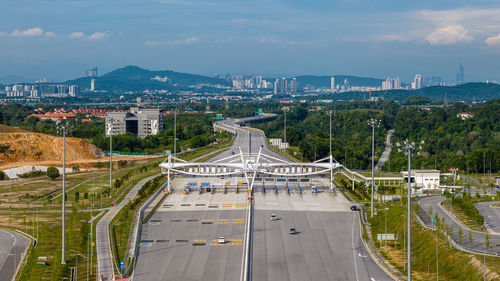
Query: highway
[179, 241]
[12, 247]
[478, 238]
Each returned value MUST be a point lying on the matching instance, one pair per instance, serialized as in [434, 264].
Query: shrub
[75, 168]
[3, 176]
[52, 172]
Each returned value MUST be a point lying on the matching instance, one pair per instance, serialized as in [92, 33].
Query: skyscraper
[293, 85]
[417, 82]
[276, 82]
[332, 84]
[92, 85]
[460, 73]
[258, 81]
[397, 83]
[283, 85]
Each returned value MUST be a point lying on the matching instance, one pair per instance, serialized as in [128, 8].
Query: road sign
[205, 184]
[191, 184]
[93, 244]
[260, 111]
[218, 117]
[433, 220]
[122, 265]
[387, 236]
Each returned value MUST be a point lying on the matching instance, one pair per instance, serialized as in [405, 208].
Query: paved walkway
[104, 256]
[386, 153]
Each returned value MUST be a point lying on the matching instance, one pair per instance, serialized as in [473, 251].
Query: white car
[273, 217]
[222, 240]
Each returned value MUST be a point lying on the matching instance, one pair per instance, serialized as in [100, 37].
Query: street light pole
[373, 123]
[63, 257]
[111, 157]
[409, 147]
[284, 130]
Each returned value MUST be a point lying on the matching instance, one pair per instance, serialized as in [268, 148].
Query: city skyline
[362, 38]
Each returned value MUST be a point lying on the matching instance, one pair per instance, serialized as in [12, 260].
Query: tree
[52, 173]
[77, 196]
[2, 175]
[470, 237]
[75, 168]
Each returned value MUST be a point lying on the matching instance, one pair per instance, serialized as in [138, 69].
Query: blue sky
[60, 39]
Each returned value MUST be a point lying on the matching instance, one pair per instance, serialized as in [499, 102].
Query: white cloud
[493, 40]
[449, 35]
[50, 34]
[30, 32]
[186, 41]
[97, 35]
[77, 35]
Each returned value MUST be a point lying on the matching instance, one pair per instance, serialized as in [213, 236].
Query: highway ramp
[12, 247]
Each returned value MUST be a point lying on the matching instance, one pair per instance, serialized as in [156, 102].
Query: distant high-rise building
[92, 85]
[332, 84]
[417, 82]
[293, 85]
[283, 85]
[346, 84]
[397, 83]
[74, 90]
[460, 74]
[276, 83]
[388, 84]
[92, 72]
[258, 81]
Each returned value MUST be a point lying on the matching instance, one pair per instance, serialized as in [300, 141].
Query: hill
[134, 78]
[18, 147]
[468, 92]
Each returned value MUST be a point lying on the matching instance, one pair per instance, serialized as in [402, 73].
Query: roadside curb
[376, 256]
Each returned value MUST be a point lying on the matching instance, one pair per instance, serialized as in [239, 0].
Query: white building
[276, 86]
[423, 179]
[92, 85]
[417, 82]
[332, 84]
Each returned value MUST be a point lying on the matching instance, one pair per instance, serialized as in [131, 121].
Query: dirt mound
[29, 147]
[7, 129]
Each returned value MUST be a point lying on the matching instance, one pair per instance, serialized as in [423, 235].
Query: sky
[60, 39]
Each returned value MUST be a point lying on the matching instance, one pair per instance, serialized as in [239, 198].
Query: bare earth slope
[18, 147]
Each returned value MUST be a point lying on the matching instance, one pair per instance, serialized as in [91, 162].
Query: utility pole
[284, 130]
[64, 128]
[373, 123]
[175, 133]
[111, 157]
[409, 147]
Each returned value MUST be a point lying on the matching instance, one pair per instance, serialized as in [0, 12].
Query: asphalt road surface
[491, 215]
[12, 247]
[257, 141]
[478, 238]
[180, 240]
[327, 245]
